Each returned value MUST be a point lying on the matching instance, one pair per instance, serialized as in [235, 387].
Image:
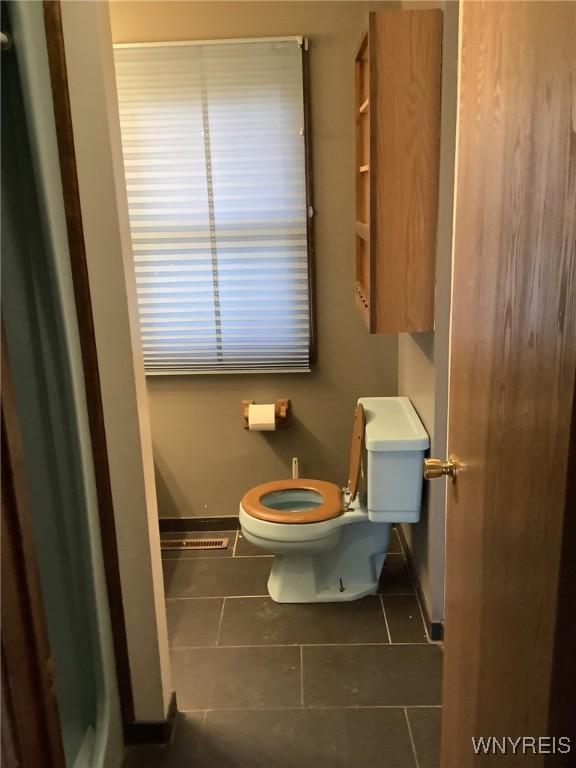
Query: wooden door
[513, 359]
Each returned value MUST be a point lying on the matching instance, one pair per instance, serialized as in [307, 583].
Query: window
[214, 144]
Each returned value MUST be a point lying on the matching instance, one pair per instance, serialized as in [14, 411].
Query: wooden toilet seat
[330, 507]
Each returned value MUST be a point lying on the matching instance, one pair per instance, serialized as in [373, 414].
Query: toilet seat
[330, 506]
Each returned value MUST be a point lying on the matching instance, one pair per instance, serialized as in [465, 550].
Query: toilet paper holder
[281, 412]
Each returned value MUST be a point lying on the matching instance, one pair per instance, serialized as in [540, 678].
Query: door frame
[81, 287]
[562, 708]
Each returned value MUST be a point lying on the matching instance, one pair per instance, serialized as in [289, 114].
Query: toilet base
[348, 572]
[285, 587]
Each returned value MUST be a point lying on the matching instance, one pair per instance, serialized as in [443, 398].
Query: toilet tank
[395, 443]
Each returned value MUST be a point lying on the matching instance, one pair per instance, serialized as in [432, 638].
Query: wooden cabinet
[397, 151]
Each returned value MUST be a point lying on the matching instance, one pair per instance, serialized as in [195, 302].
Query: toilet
[330, 543]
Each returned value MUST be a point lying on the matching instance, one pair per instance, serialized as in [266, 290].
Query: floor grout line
[395, 535]
[403, 707]
[216, 597]
[220, 623]
[399, 538]
[298, 645]
[194, 557]
[421, 613]
[416, 761]
[412, 576]
[385, 619]
[267, 596]
[301, 676]
[166, 559]
[186, 558]
[414, 579]
[424, 620]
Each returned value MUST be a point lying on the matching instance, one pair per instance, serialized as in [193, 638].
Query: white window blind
[214, 153]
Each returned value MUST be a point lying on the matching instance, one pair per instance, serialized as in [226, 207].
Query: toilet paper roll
[261, 418]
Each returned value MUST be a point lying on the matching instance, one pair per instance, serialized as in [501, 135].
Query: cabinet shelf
[363, 305]
[397, 134]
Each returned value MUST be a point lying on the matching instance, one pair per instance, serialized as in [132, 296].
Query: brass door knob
[434, 468]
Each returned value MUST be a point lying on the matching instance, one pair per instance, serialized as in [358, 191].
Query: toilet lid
[266, 501]
[356, 451]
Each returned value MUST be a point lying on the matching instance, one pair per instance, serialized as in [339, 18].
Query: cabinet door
[397, 155]
[407, 135]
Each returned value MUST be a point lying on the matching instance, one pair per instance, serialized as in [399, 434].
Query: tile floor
[263, 685]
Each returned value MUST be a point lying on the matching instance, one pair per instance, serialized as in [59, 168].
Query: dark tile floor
[264, 685]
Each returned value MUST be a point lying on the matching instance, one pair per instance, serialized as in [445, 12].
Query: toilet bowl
[330, 543]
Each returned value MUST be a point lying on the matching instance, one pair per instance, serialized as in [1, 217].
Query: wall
[204, 459]
[423, 357]
[103, 201]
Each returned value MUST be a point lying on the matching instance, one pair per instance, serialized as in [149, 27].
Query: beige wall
[204, 459]
[112, 287]
[423, 358]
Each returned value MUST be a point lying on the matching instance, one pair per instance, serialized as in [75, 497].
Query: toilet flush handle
[434, 468]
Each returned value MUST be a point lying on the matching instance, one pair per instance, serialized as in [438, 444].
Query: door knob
[434, 468]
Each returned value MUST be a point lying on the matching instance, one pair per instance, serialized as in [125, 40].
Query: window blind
[214, 153]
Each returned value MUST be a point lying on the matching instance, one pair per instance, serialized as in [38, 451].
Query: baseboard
[152, 732]
[435, 628]
[179, 524]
